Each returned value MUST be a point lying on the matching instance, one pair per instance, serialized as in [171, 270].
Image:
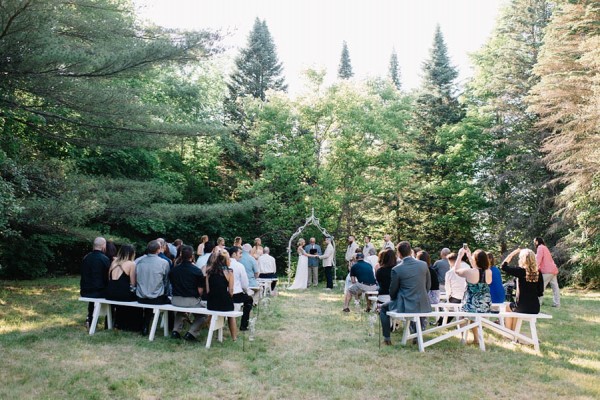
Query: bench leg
[518, 327]
[97, 308]
[165, 319]
[405, 332]
[216, 323]
[109, 317]
[154, 324]
[419, 334]
[480, 334]
[534, 336]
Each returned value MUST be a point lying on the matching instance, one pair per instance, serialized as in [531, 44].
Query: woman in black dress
[219, 286]
[387, 261]
[530, 284]
[121, 287]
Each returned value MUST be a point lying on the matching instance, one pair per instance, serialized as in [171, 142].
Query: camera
[465, 246]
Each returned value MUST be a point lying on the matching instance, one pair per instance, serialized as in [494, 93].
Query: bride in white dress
[301, 278]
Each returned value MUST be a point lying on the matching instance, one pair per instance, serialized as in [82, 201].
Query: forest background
[112, 126]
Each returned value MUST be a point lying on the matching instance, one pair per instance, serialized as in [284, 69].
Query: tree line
[116, 127]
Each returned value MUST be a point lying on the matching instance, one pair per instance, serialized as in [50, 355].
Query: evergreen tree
[513, 175]
[394, 70]
[436, 106]
[345, 68]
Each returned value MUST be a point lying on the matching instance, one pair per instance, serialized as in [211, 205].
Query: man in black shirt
[188, 284]
[94, 275]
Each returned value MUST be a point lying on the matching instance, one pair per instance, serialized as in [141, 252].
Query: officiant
[313, 249]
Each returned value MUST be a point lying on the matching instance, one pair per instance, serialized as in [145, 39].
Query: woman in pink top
[548, 269]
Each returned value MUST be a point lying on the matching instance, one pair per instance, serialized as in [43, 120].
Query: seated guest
[121, 287]
[477, 295]
[250, 265]
[94, 275]
[219, 286]
[165, 252]
[203, 259]
[387, 261]
[410, 283]
[241, 290]
[267, 269]
[434, 291]
[455, 284]
[530, 284]
[188, 283]
[111, 250]
[496, 287]
[372, 258]
[363, 280]
[151, 275]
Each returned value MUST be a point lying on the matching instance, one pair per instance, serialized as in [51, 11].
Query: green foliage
[394, 70]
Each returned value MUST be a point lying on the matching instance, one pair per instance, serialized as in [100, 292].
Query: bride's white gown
[301, 278]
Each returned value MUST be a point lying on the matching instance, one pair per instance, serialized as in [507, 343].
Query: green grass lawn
[305, 348]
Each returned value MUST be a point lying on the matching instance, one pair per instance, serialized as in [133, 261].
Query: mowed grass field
[305, 348]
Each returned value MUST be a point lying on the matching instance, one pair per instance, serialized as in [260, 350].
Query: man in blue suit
[409, 286]
[312, 248]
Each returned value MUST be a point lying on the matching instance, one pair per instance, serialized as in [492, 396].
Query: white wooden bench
[475, 320]
[265, 286]
[217, 321]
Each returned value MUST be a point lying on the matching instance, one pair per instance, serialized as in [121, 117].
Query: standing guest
[237, 241]
[434, 291]
[351, 251]
[455, 284]
[121, 287]
[200, 249]
[220, 244]
[387, 242]
[203, 260]
[314, 250]
[368, 246]
[363, 280]
[267, 268]
[152, 277]
[327, 258]
[442, 266]
[257, 250]
[111, 250]
[387, 261]
[547, 267]
[477, 295]
[188, 284]
[530, 284]
[241, 290]
[219, 286]
[496, 287]
[410, 282]
[94, 275]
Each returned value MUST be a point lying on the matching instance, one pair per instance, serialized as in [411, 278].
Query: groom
[314, 250]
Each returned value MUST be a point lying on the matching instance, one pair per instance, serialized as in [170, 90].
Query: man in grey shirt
[152, 278]
[442, 266]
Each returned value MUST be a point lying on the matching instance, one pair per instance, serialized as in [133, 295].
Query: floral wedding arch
[312, 220]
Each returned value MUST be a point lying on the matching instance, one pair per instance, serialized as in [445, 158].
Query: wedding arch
[312, 220]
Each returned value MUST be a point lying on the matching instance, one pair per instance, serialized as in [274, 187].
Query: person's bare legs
[232, 328]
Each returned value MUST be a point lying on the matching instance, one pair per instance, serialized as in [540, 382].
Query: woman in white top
[301, 277]
[200, 250]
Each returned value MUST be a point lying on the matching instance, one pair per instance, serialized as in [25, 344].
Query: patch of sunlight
[586, 363]
[25, 326]
[329, 297]
[590, 318]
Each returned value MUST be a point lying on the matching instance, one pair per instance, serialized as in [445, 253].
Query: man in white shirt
[351, 251]
[327, 258]
[241, 291]
[267, 268]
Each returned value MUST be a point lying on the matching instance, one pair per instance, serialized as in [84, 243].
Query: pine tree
[345, 68]
[513, 174]
[257, 70]
[257, 67]
[394, 70]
